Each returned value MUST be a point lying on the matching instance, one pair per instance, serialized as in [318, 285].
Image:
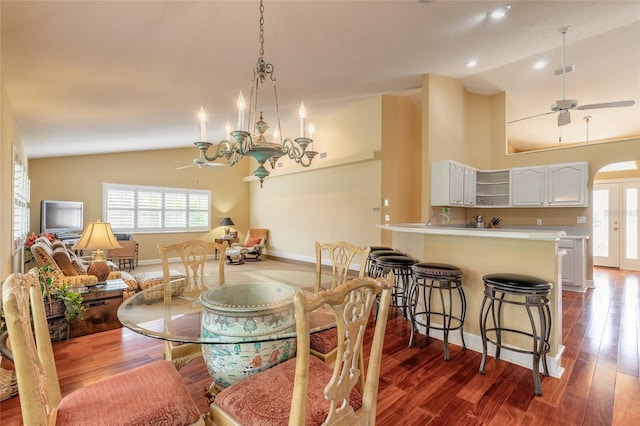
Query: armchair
[251, 249]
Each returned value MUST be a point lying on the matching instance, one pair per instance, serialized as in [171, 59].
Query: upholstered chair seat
[265, 399]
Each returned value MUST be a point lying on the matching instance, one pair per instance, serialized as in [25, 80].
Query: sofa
[65, 267]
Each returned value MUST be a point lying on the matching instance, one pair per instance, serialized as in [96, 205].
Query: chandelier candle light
[242, 142]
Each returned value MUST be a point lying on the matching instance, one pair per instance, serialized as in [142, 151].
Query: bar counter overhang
[482, 251]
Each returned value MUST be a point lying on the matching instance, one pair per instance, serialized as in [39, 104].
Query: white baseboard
[474, 343]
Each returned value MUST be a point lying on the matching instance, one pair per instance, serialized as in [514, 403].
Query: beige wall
[80, 178]
[10, 259]
[329, 201]
[401, 162]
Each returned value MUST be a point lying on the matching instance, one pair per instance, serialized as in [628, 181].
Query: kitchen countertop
[543, 234]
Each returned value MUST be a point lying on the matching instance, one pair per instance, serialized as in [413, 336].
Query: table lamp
[98, 236]
[226, 222]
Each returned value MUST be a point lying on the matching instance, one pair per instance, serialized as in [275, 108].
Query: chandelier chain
[261, 51]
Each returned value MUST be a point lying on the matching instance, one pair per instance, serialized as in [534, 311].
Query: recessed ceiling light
[500, 12]
[472, 63]
[539, 64]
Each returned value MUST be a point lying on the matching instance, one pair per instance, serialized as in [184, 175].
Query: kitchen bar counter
[480, 251]
[463, 230]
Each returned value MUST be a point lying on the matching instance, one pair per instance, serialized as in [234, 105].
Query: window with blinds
[150, 209]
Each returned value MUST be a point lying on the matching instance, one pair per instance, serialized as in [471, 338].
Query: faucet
[442, 215]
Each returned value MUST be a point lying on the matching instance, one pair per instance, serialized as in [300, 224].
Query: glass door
[616, 232]
[630, 258]
[606, 224]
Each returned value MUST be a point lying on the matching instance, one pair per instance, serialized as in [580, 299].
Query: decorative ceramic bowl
[249, 311]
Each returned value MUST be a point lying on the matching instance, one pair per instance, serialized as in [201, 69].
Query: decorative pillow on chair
[61, 256]
[253, 241]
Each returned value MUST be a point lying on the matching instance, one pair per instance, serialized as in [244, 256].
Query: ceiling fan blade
[532, 116]
[184, 167]
[607, 105]
[564, 118]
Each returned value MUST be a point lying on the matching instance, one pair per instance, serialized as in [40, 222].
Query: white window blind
[149, 209]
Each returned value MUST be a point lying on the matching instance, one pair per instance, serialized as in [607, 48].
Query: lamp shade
[227, 222]
[97, 236]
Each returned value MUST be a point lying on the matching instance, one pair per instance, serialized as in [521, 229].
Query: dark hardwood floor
[601, 385]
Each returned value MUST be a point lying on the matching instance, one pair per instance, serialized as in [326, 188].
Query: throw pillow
[253, 241]
[61, 256]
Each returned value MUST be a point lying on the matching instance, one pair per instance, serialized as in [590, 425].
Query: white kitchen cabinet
[527, 186]
[556, 185]
[574, 264]
[567, 185]
[469, 193]
[451, 184]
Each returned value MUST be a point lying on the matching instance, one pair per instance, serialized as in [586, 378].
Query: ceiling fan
[200, 163]
[564, 105]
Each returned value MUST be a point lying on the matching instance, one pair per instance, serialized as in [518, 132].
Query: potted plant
[59, 300]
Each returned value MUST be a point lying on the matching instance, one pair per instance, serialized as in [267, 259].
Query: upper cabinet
[557, 185]
[527, 186]
[452, 184]
[567, 185]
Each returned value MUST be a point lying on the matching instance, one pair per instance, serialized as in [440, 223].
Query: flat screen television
[61, 217]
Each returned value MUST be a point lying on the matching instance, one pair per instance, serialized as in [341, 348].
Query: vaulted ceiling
[106, 76]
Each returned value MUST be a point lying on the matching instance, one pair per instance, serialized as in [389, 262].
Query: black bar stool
[521, 290]
[400, 265]
[447, 280]
[372, 267]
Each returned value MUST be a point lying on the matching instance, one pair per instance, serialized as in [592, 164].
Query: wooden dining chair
[306, 391]
[343, 258]
[193, 254]
[151, 394]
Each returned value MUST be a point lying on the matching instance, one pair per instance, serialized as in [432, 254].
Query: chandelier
[241, 142]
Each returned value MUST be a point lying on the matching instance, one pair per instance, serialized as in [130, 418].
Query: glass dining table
[243, 325]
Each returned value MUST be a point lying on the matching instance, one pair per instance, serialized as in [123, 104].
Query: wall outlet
[538, 222]
[385, 202]
[582, 219]
[387, 218]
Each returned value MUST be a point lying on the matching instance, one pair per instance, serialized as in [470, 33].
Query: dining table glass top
[175, 313]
